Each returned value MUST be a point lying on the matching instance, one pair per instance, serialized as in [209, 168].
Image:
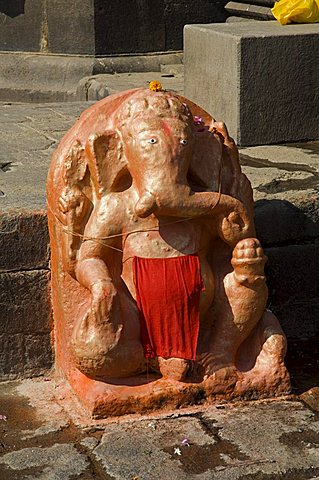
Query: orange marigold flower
[155, 86]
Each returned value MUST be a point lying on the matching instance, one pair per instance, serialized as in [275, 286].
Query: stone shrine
[158, 285]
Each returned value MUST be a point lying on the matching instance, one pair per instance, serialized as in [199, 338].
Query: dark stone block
[38, 354]
[293, 282]
[70, 29]
[262, 3]
[101, 28]
[11, 356]
[24, 355]
[24, 241]
[25, 302]
[25, 324]
[21, 25]
[281, 222]
[12, 8]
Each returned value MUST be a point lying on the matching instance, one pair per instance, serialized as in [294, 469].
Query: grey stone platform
[285, 181]
[266, 440]
[262, 78]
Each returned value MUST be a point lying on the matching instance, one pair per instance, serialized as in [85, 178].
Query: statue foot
[222, 380]
[174, 368]
[248, 261]
[265, 371]
[218, 375]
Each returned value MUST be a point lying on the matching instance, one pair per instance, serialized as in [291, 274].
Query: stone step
[31, 77]
[247, 10]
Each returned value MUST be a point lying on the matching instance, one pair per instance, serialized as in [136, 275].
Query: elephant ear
[74, 167]
[106, 161]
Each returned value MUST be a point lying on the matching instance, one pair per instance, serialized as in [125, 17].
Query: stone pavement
[261, 440]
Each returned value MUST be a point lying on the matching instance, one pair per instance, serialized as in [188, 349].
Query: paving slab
[259, 440]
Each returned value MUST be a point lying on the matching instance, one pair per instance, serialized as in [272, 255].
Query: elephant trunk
[229, 212]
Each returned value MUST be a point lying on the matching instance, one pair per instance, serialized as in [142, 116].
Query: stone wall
[101, 27]
[25, 316]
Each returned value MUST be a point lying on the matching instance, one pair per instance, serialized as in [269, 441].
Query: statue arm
[96, 255]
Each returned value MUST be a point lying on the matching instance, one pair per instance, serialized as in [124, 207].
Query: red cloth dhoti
[167, 295]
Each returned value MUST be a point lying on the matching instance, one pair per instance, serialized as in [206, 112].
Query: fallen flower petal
[198, 120]
[185, 442]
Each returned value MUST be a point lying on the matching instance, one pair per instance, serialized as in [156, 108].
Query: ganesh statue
[158, 286]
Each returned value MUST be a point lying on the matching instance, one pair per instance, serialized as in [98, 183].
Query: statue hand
[236, 225]
[103, 295]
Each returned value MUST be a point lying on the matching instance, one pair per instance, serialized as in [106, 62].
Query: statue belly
[155, 244]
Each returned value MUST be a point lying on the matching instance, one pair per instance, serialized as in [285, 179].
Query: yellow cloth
[296, 11]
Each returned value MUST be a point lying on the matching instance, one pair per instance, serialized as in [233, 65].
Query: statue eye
[152, 141]
[184, 142]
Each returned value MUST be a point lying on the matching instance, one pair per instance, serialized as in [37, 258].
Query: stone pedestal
[261, 78]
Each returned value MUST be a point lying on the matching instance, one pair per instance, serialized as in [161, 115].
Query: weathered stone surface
[137, 26]
[17, 18]
[54, 78]
[288, 447]
[28, 136]
[25, 323]
[285, 180]
[225, 81]
[38, 354]
[24, 241]
[41, 78]
[248, 10]
[99, 86]
[146, 449]
[51, 463]
[24, 355]
[293, 281]
[98, 27]
[11, 355]
[258, 441]
[25, 302]
[281, 222]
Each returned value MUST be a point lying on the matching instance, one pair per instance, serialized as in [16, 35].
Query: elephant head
[173, 162]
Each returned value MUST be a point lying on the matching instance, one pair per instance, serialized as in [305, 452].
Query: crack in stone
[5, 166]
[248, 161]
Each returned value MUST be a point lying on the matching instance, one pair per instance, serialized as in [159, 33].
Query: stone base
[260, 373]
[147, 394]
[259, 77]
